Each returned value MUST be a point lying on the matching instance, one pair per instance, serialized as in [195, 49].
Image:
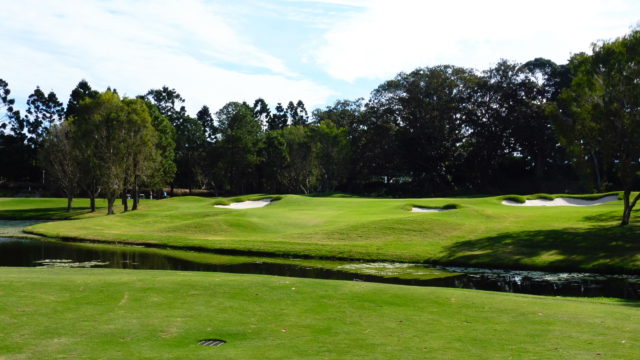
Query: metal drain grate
[211, 342]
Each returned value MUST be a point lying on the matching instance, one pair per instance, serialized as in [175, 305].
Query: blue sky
[215, 51]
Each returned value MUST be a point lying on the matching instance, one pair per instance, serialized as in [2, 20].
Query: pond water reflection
[35, 252]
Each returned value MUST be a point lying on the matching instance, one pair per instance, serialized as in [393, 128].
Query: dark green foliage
[168, 101]
[427, 106]
[82, 91]
[206, 122]
[165, 144]
[6, 106]
[279, 119]
[190, 136]
[275, 157]
[297, 113]
[43, 111]
[239, 144]
[17, 159]
[262, 113]
[598, 116]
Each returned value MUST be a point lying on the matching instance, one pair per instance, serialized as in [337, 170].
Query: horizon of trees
[441, 130]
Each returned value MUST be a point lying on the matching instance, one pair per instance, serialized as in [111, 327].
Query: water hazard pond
[32, 252]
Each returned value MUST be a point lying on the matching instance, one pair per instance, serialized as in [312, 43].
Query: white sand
[246, 204]
[426, 210]
[563, 201]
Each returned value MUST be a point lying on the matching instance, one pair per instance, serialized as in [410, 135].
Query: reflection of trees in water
[21, 252]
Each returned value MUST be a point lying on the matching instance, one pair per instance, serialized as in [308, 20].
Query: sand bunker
[563, 201]
[427, 210]
[246, 204]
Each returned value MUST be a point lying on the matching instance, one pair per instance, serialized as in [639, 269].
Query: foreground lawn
[120, 314]
[481, 231]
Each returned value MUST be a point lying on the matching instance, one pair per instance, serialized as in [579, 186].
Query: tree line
[441, 130]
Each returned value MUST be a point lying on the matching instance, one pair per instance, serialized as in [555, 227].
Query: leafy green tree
[427, 106]
[279, 119]
[297, 113]
[165, 170]
[82, 91]
[59, 157]
[575, 113]
[6, 105]
[143, 159]
[190, 151]
[169, 103]
[100, 135]
[191, 137]
[507, 122]
[261, 112]
[331, 154]
[117, 144]
[275, 158]
[372, 132]
[207, 123]
[604, 109]
[301, 172]
[43, 111]
[240, 144]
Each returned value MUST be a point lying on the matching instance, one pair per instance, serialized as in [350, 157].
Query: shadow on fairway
[608, 217]
[630, 303]
[600, 249]
[57, 213]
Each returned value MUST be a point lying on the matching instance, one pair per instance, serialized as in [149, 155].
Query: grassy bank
[480, 231]
[116, 314]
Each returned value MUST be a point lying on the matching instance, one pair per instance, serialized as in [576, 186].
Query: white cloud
[394, 36]
[137, 45]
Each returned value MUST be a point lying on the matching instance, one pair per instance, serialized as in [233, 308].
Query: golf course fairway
[125, 314]
[478, 231]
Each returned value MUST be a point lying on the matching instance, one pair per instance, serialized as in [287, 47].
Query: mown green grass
[120, 314]
[480, 231]
[49, 209]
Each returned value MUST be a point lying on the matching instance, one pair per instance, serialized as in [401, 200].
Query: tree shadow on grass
[611, 249]
[57, 213]
[631, 303]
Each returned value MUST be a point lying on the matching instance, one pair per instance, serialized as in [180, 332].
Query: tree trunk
[628, 207]
[92, 201]
[596, 168]
[69, 201]
[110, 201]
[125, 203]
[136, 193]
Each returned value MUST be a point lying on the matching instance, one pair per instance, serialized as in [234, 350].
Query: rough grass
[120, 314]
[481, 232]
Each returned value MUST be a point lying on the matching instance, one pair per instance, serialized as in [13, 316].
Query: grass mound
[515, 198]
[521, 199]
[229, 201]
[423, 206]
